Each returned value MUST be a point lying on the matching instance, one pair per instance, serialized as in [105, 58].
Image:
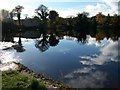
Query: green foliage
[100, 18]
[17, 10]
[35, 84]
[14, 79]
[53, 15]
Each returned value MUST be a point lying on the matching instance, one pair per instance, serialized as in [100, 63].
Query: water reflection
[53, 40]
[42, 44]
[18, 46]
[46, 40]
[51, 37]
[71, 56]
[109, 52]
[8, 56]
[86, 78]
[7, 37]
[92, 76]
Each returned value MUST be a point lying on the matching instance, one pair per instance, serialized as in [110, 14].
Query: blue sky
[65, 8]
[65, 5]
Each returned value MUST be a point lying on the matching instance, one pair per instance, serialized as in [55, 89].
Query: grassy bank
[14, 79]
[22, 77]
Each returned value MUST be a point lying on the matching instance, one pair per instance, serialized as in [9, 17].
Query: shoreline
[49, 83]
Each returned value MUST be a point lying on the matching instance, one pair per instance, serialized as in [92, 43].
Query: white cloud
[93, 10]
[67, 12]
[29, 6]
[105, 6]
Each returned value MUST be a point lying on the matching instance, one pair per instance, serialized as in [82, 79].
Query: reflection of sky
[109, 52]
[90, 76]
[7, 56]
[76, 64]
[4, 45]
[86, 78]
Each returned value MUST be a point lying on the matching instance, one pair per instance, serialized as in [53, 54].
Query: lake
[79, 61]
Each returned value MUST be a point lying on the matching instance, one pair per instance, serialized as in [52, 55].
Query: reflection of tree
[114, 34]
[42, 44]
[46, 41]
[7, 37]
[53, 40]
[82, 38]
[18, 47]
[80, 35]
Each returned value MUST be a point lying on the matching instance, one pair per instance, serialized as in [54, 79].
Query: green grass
[14, 79]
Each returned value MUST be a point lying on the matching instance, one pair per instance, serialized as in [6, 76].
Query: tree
[7, 24]
[17, 11]
[115, 20]
[100, 18]
[53, 15]
[42, 11]
[107, 20]
[4, 15]
[82, 20]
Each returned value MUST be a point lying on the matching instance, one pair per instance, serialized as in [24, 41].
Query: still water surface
[92, 64]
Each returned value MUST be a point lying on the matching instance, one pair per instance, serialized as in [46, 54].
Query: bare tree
[42, 11]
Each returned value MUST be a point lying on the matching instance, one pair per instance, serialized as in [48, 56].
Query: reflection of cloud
[6, 60]
[70, 38]
[109, 52]
[89, 80]
[81, 70]
[84, 70]
[4, 45]
[92, 41]
[6, 56]
[24, 40]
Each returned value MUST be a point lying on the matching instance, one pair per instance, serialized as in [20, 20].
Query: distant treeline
[51, 20]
